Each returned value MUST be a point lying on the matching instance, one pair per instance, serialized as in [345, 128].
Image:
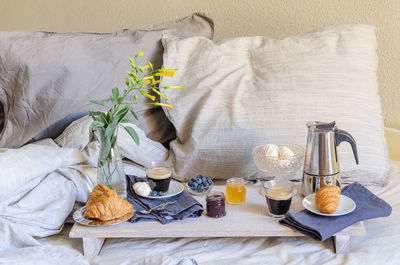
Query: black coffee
[159, 178]
[278, 207]
[159, 184]
[278, 201]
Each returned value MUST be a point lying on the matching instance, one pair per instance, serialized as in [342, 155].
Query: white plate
[175, 188]
[79, 217]
[345, 206]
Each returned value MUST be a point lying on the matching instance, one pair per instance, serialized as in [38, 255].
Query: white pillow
[242, 92]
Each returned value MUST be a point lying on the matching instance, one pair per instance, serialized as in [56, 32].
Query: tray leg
[92, 245]
[342, 244]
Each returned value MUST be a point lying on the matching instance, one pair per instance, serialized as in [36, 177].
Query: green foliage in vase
[140, 80]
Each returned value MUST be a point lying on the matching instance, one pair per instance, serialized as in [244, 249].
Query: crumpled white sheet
[380, 245]
[40, 182]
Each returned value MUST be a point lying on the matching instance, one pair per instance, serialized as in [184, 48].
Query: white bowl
[279, 167]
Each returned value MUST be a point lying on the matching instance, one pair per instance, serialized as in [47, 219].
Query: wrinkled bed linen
[380, 246]
[40, 182]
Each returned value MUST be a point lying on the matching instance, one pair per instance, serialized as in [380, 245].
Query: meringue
[270, 150]
[142, 188]
[285, 152]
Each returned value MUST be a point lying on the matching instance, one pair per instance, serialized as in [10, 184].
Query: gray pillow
[247, 91]
[47, 78]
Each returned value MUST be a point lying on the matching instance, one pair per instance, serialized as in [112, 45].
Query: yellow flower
[144, 93]
[163, 104]
[157, 82]
[159, 93]
[139, 54]
[146, 66]
[148, 77]
[177, 87]
[145, 83]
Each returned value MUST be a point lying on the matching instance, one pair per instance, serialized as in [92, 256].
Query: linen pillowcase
[243, 92]
[47, 78]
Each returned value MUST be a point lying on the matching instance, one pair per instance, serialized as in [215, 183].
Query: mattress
[380, 245]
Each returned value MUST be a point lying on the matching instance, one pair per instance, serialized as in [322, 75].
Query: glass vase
[110, 170]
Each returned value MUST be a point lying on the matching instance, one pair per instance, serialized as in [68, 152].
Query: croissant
[104, 204]
[327, 199]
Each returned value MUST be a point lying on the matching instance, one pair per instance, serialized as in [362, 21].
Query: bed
[380, 245]
[299, 79]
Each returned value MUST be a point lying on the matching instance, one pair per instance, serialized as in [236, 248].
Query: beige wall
[276, 19]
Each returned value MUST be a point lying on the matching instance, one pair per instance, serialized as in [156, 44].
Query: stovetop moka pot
[321, 163]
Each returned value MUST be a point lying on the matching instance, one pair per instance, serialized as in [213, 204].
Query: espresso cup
[278, 194]
[159, 176]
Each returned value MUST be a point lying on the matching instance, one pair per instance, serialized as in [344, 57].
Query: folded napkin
[184, 207]
[319, 227]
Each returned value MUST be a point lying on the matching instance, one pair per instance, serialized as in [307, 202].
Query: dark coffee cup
[278, 194]
[159, 178]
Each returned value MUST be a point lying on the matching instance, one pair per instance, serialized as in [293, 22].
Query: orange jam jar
[235, 191]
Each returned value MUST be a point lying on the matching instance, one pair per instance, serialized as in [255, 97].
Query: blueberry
[190, 183]
[160, 193]
[206, 185]
[193, 179]
[200, 176]
[204, 180]
[195, 185]
[200, 188]
[209, 180]
[199, 181]
[153, 193]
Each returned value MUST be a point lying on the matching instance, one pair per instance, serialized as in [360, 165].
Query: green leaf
[98, 115]
[121, 114]
[133, 134]
[95, 124]
[115, 93]
[126, 120]
[111, 129]
[134, 113]
[106, 145]
[98, 102]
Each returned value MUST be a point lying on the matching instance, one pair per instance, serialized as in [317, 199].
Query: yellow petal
[159, 93]
[163, 104]
[177, 87]
[144, 93]
[145, 83]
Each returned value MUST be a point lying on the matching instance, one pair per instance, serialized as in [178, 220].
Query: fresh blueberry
[209, 180]
[195, 185]
[193, 179]
[200, 188]
[160, 193]
[200, 176]
[204, 180]
[154, 193]
[199, 181]
[190, 183]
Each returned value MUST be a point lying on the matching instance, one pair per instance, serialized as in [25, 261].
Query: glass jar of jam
[216, 204]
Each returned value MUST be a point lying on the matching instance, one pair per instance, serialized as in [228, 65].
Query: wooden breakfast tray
[249, 219]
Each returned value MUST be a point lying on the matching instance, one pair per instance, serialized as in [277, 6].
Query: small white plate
[79, 217]
[345, 206]
[175, 188]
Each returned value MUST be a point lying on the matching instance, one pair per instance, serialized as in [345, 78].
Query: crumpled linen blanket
[40, 182]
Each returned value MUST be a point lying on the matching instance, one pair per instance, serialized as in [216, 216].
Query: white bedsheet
[381, 245]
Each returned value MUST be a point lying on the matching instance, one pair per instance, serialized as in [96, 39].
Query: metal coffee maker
[321, 163]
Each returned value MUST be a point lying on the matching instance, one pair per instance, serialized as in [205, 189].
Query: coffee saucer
[346, 205]
[175, 188]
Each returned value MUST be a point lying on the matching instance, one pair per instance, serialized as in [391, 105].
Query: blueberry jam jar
[216, 204]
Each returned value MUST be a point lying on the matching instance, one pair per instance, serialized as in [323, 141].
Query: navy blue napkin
[319, 227]
[184, 207]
